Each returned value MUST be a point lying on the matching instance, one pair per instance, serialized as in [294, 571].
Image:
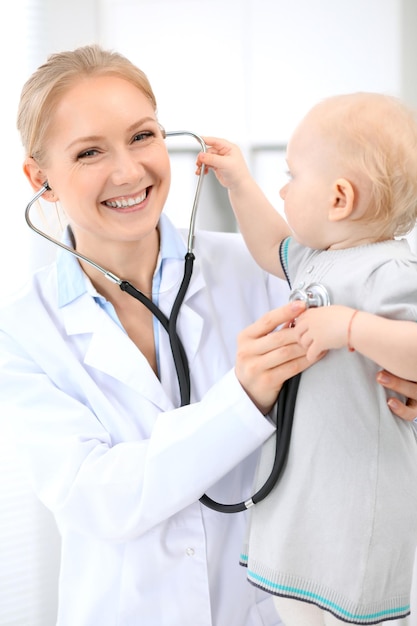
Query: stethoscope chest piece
[313, 295]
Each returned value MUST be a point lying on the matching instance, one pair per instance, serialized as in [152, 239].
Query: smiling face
[107, 163]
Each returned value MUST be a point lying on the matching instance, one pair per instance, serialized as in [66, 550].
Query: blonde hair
[52, 79]
[376, 136]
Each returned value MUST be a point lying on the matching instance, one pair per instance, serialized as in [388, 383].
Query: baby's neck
[356, 241]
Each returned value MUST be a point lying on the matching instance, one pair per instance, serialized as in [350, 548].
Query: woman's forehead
[97, 104]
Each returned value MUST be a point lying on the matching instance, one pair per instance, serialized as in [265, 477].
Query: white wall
[249, 69]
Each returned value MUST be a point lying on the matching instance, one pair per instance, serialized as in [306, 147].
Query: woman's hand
[266, 356]
[407, 411]
[269, 353]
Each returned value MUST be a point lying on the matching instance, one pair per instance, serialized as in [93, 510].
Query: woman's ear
[37, 178]
[342, 201]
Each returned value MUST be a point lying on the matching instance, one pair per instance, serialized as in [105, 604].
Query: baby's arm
[389, 343]
[260, 224]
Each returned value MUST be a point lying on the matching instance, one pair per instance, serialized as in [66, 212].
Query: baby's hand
[323, 328]
[226, 161]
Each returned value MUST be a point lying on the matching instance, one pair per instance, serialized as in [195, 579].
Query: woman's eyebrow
[93, 138]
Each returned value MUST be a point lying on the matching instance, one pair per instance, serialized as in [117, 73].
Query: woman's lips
[124, 203]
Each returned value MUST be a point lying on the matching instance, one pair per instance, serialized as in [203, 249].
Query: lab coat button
[190, 552]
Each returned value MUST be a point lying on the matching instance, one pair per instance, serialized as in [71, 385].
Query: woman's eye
[87, 153]
[142, 136]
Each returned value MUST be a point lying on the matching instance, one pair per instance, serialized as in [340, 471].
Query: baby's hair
[51, 80]
[376, 135]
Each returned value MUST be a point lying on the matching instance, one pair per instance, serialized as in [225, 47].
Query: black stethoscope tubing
[286, 399]
[285, 405]
[288, 393]
[170, 324]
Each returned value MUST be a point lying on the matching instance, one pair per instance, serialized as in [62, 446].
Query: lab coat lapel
[111, 351]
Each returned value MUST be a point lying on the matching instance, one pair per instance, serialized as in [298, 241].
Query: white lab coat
[120, 467]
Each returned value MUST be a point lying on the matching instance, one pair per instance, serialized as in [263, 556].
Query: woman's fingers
[276, 318]
[267, 357]
[407, 410]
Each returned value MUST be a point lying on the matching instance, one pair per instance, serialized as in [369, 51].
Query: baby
[335, 540]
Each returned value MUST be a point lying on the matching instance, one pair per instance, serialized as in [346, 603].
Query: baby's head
[375, 140]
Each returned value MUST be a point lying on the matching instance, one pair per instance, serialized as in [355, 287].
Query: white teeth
[119, 204]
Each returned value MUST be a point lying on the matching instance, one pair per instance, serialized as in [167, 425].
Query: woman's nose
[283, 191]
[127, 168]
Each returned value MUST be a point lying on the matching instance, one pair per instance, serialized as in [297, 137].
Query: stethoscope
[313, 296]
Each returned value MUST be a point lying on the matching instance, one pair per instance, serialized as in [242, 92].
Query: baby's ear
[342, 200]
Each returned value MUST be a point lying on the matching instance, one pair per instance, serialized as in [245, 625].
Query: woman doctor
[87, 375]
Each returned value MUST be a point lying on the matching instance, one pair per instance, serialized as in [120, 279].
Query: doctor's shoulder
[225, 252]
[39, 291]
[224, 257]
